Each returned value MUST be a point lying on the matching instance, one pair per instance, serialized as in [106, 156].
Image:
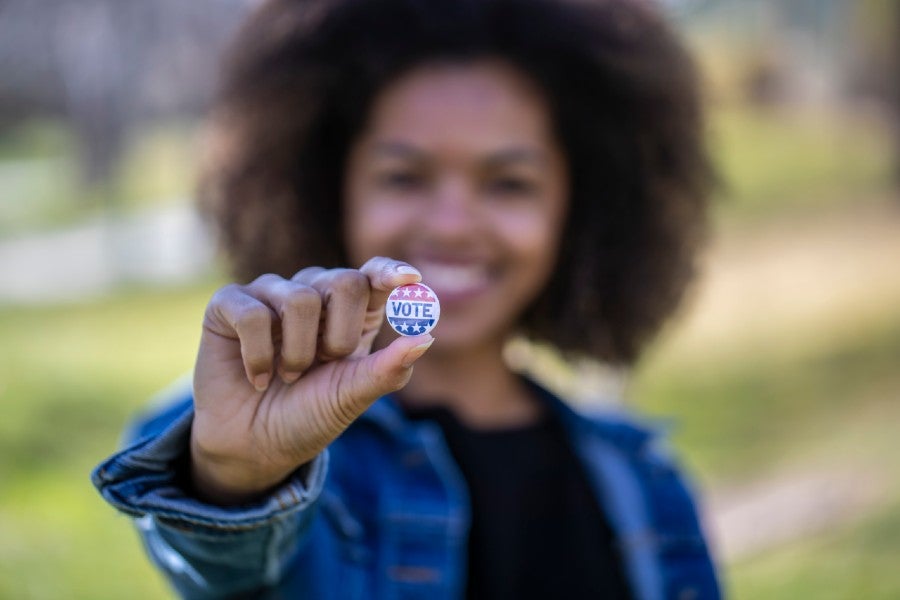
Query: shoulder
[629, 447]
[608, 423]
[618, 426]
[641, 442]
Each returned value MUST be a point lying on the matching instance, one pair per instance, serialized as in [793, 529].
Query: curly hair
[624, 100]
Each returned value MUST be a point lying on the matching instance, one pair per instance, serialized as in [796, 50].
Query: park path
[809, 275]
[163, 245]
[797, 273]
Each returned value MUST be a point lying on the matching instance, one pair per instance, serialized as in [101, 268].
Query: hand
[284, 367]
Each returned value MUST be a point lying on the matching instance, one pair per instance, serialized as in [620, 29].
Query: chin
[461, 335]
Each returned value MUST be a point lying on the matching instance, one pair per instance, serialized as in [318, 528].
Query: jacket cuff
[143, 480]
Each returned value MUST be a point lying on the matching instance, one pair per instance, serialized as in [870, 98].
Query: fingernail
[407, 270]
[261, 382]
[413, 354]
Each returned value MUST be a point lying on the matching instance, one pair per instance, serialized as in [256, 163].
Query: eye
[511, 186]
[402, 180]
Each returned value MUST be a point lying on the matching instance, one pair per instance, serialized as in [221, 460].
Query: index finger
[384, 275]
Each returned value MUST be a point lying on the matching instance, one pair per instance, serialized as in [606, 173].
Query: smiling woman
[621, 106]
[537, 163]
[459, 173]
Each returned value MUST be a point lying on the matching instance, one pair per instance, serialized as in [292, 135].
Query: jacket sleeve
[206, 551]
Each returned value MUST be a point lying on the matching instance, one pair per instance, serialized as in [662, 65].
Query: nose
[452, 214]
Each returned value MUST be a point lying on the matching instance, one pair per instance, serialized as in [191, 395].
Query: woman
[539, 164]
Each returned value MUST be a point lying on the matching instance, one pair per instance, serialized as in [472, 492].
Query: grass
[779, 405]
[71, 377]
[739, 413]
[854, 562]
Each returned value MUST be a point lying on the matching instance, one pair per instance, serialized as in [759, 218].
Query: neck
[475, 384]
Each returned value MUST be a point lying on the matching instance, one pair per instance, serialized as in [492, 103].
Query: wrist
[227, 482]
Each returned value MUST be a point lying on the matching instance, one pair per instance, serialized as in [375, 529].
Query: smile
[454, 279]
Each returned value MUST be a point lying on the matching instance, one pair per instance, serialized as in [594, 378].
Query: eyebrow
[515, 154]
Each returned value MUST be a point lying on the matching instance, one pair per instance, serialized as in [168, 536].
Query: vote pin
[413, 309]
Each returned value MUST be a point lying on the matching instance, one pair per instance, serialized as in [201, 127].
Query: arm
[206, 551]
[225, 482]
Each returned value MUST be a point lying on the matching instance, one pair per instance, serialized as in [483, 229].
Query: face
[458, 174]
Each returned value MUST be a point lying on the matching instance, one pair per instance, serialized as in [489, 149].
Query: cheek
[534, 237]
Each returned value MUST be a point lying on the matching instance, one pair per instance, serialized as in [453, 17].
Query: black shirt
[537, 530]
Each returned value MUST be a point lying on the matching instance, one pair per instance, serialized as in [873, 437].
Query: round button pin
[413, 309]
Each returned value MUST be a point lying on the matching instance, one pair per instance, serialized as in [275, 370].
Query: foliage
[772, 162]
[42, 188]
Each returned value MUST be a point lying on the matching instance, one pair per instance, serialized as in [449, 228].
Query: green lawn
[70, 377]
[738, 414]
[830, 404]
[845, 564]
[773, 162]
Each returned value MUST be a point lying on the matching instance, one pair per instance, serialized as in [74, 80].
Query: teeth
[453, 278]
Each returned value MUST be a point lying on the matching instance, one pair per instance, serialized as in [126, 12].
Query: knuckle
[253, 317]
[307, 273]
[224, 295]
[267, 279]
[346, 401]
[380, 266]
[303, 301]
[376, 262]
[350, 282]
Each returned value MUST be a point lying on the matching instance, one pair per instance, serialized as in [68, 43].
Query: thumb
[388, 369]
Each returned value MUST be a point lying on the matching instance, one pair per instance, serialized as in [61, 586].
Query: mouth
[454, 281]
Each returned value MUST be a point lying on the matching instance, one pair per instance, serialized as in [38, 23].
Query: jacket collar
[614, 427]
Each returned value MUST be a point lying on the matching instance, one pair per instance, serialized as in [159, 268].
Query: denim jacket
[384, 513]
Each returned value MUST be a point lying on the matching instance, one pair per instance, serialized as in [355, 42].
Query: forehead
[475, 107]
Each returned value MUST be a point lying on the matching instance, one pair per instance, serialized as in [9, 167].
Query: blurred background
[781, 381]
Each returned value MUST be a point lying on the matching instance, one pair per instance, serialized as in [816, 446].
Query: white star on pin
[418, 293]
